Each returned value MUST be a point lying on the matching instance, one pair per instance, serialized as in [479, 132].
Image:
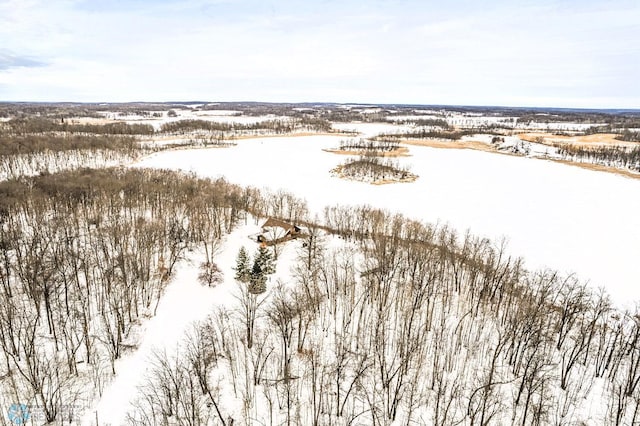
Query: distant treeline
[35, 125]
[424, 122]
[430, 134]
[629, 136]
[29, 144]
[56, 111]
[186, 126]
[567, 117]
[276, 126]
[32, 154]
[23, 126]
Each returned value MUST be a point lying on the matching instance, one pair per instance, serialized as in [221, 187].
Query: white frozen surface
[553, 215]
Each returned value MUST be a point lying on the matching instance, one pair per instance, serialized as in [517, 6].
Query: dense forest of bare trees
[401, 322]
[85, 256]
[404, 323]
[31, 144]
[432, 133]
[382, 320]
[186, 126]
[40, 125]
[46, 153]
[277, 126]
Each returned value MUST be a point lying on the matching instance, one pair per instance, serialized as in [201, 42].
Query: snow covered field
[565, 218]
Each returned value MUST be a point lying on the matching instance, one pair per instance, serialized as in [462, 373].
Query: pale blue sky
[515, 53]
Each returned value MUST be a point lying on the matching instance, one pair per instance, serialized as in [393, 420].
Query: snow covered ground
[184, 303]
[565, 218]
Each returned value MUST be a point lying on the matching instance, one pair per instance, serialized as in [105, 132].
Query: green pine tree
[264, 259]
[258, 282]
[263, 266]
[243, 271]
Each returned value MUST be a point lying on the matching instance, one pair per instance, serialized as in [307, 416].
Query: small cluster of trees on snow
[370, 168]
[371, 146]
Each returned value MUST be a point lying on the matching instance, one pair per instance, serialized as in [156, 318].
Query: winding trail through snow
[184, 303]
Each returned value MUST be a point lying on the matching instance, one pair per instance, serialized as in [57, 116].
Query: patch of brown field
[479, 146]
[598, 139]
[452, 144]
[401, 151]
[598, 168]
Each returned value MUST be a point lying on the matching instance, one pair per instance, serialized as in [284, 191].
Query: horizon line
[364, 104]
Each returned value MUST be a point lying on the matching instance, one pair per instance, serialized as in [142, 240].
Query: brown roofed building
[275, 231]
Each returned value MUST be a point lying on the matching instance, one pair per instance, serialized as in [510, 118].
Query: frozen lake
[556, 216]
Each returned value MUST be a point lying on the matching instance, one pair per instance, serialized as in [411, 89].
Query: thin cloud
[407, 51]
[9, 60]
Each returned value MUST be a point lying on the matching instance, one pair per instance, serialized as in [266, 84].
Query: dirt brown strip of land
[452, 144]
[597, 139]
[597, 168]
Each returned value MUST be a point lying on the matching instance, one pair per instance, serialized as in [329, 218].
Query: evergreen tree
[263, 266]
[258, 283]
[264, 259]
[243, 271]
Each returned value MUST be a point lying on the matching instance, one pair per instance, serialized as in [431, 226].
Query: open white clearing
[553, 215]
[184, 303]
